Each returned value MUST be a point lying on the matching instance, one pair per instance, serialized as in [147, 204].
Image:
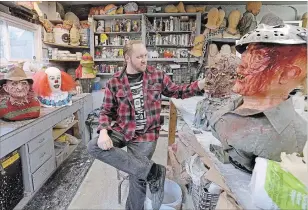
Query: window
[18, 39]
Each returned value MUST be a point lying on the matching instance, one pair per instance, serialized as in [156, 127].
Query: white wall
[283, 11]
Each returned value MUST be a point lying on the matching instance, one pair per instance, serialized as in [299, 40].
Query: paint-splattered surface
[62, 186]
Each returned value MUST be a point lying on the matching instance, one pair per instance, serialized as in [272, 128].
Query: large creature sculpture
[263, 122]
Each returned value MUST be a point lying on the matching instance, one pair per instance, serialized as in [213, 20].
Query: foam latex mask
[221, 76]
[17, 99]
[53, 86]
[271, 70]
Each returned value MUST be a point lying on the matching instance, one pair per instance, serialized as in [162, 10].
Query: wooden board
[57, 132]
[172, 123]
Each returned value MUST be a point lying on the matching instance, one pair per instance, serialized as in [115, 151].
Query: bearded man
[263, 122]
[133, 100]
[17, 99]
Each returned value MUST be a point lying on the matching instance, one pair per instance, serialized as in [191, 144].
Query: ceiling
[145, 3]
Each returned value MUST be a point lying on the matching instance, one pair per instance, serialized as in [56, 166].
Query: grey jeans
[136, 162]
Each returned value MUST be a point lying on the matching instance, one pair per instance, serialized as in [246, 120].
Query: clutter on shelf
[182, 40]
[111, 68]
[70, 31]
[170, 24]
[118, 25]
[168, 53]
[107, 40]
[56, 54]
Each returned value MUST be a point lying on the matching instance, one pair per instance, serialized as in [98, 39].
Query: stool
[121, 177]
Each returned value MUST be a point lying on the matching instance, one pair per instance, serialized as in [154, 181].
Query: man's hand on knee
[104, 141]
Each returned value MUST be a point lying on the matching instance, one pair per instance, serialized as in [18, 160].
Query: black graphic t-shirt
[136, 84]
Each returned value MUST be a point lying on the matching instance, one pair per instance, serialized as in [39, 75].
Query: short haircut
[128, 47]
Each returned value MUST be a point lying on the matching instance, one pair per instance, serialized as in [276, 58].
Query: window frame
[10, 20]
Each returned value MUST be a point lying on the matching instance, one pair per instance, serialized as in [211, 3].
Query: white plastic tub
[172, 197]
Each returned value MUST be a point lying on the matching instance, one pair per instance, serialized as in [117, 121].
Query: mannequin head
[52, 81]
[233, 19]
[212, 18]
[271, 70]
[213, 50]
[225, 49]
[254, 7]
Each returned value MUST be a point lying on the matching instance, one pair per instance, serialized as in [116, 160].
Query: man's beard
[138, 69]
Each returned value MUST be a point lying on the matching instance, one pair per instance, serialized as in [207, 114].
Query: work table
[34, 141]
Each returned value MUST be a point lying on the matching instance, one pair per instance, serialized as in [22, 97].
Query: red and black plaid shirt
[118, 103]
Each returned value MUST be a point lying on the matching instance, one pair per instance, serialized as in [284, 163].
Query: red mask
[261, 64]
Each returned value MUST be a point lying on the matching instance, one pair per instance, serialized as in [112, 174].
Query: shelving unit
[59, 60]
[143, 33]
[66, 46]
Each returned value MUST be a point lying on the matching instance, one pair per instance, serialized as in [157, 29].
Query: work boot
[156, 185]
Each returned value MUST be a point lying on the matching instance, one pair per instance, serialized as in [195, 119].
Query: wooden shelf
[170, 46]
[170, 14]
[170, 32]
[224, 40]
[57, 132]
[66, 46]
[109, 46]
[115, 33]
[57, 60]
[71, 149]
[179, 60]
[109, 59]
[122, 16]
[56, 21]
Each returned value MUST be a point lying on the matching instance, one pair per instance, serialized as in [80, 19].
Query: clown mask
[54, 78]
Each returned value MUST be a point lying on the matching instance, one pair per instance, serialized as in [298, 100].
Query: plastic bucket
[172, 197]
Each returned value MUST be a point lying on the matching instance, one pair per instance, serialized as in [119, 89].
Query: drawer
[43, 173]
[40, 140]
[39, 156]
